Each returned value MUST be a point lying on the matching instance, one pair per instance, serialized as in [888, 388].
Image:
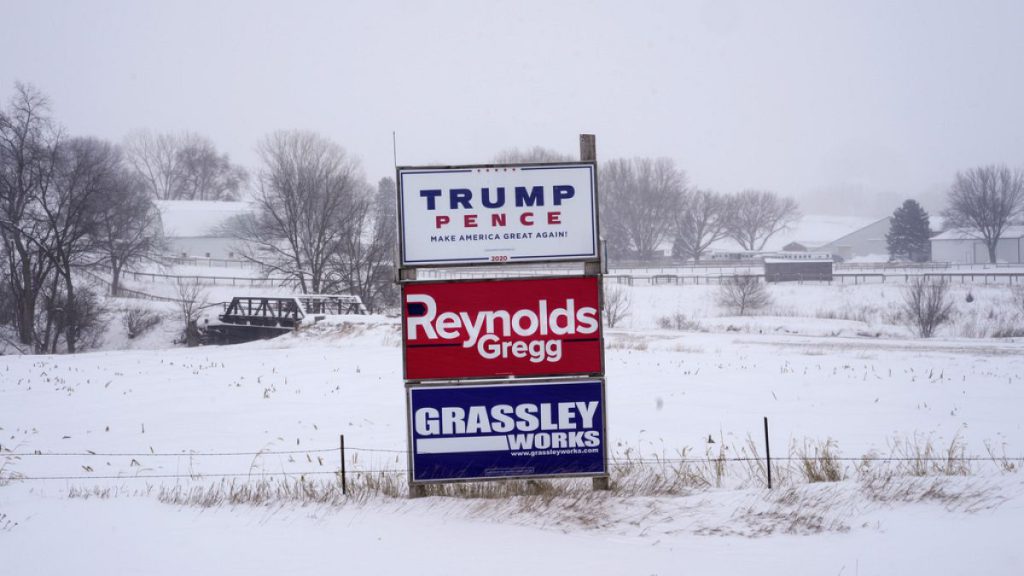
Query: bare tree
[927, 305]
[192, 298]
[617, 305]
[29, 144]
[154, 157]
[985, 200]
[86, 167]
[535, 154]
[757, 215]
[703, 221]
[639, 200]
[743, 294]
[127, 227]
[363, 262]
[78, 324]
[183, 167]
[205, 174]
[307, 201]
[8, 307]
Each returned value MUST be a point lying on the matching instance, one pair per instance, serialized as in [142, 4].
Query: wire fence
[88, 453]
[8, 455]
[123, 292]
[208, 262]
[234, 281]
[614, 460]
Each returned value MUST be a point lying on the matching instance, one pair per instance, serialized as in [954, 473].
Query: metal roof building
[962, 246]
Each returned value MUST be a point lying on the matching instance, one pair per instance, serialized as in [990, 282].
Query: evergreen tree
[909, 233]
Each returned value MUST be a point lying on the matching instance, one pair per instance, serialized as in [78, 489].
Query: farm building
[193, 228]
[818, 269]
[961, 246]
[866, 241]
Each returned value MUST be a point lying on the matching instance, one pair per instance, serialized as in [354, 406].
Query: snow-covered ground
[145, 424]
[823, 363]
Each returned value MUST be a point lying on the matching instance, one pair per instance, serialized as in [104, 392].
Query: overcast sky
[845, 102]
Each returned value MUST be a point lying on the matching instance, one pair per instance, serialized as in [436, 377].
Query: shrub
[192, 298]
[55, 315]
[677, 321]
[1017, 296]
[743, 294]
[138, 321]
[927, 305]
[617, 303]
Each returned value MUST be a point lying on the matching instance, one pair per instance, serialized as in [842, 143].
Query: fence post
[341, 449]
[768, 453]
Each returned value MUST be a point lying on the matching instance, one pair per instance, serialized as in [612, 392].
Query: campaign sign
[495, 214]
[506, 430]
[497, 328]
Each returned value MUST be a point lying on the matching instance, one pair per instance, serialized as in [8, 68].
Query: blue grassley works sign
[507, 430]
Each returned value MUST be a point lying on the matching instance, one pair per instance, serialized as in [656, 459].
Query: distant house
[867, 241]
[960, 246]
[194, 228]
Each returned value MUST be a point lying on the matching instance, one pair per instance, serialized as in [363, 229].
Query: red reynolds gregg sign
[488, 329]
[494, 214]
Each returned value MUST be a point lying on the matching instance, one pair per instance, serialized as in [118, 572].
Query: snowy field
[153, 429]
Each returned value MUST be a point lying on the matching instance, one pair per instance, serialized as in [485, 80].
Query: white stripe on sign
[465, 444]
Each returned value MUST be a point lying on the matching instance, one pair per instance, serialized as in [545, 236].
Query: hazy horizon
[850, 108]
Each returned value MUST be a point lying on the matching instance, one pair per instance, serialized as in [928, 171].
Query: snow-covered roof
[820, 229]
[1011, 232]
[797, 260]
[812, 230]
[854, 232]
[194, 219]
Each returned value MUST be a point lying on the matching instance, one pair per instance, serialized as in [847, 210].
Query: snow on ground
[819, 309]
[668, 389]
[141, 536]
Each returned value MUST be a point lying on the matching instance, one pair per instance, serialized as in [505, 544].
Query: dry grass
[794, 510]
[920, 457]
[685, 472]
[7, 524]
[980, 321]
[967, 497]
[627, 342]
[7, 473]
[815, 489]
[819, 461]
[1006, 464]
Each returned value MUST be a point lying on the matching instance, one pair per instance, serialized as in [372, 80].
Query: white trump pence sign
[480, 214]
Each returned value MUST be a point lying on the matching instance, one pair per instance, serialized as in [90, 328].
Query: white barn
[863, 242]
[192, 227]
[960, 246]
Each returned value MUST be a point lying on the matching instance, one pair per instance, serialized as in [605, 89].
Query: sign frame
[492, 378]
[414, 484]
[594, 255]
